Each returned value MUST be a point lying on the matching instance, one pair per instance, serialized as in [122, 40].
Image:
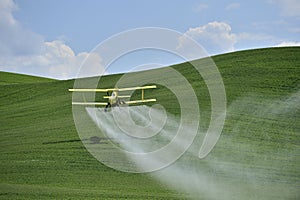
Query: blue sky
[52, 37]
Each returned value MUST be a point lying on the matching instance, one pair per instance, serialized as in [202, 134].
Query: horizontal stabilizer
[119, 96]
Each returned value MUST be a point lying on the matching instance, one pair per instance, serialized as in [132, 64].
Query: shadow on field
[92, 140]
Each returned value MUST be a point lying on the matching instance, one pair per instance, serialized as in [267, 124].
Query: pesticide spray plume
[184, 176]
[215, 177]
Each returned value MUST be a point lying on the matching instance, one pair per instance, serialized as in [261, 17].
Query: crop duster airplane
[114, 99]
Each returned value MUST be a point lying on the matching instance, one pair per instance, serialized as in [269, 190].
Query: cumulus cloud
[289, 8]
[218, 37]
[55, 60]
[24, 51]
[288, 44]
[14, 39]
[61, 61]
[215, 37]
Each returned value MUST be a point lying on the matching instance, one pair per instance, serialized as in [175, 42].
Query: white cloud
[232, 6]
[24, 51]
[14, 39]
[215, 37]
[56, 60]
[6, 7]
[218, 37]
[288, 44]
[289, 8]
[62, 62]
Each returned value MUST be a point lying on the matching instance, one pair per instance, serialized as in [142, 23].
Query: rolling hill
[257, 156]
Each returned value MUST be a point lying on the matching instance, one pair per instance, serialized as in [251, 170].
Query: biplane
[113, 97]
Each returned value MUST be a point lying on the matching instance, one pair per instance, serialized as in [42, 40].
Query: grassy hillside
[7, 78]
[257, 156]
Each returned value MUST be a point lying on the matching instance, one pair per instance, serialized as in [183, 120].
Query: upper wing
[137, 88]
[142, 100]
[112, 89]
[92, 90]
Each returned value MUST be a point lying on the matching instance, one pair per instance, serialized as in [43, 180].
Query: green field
[257, 156]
